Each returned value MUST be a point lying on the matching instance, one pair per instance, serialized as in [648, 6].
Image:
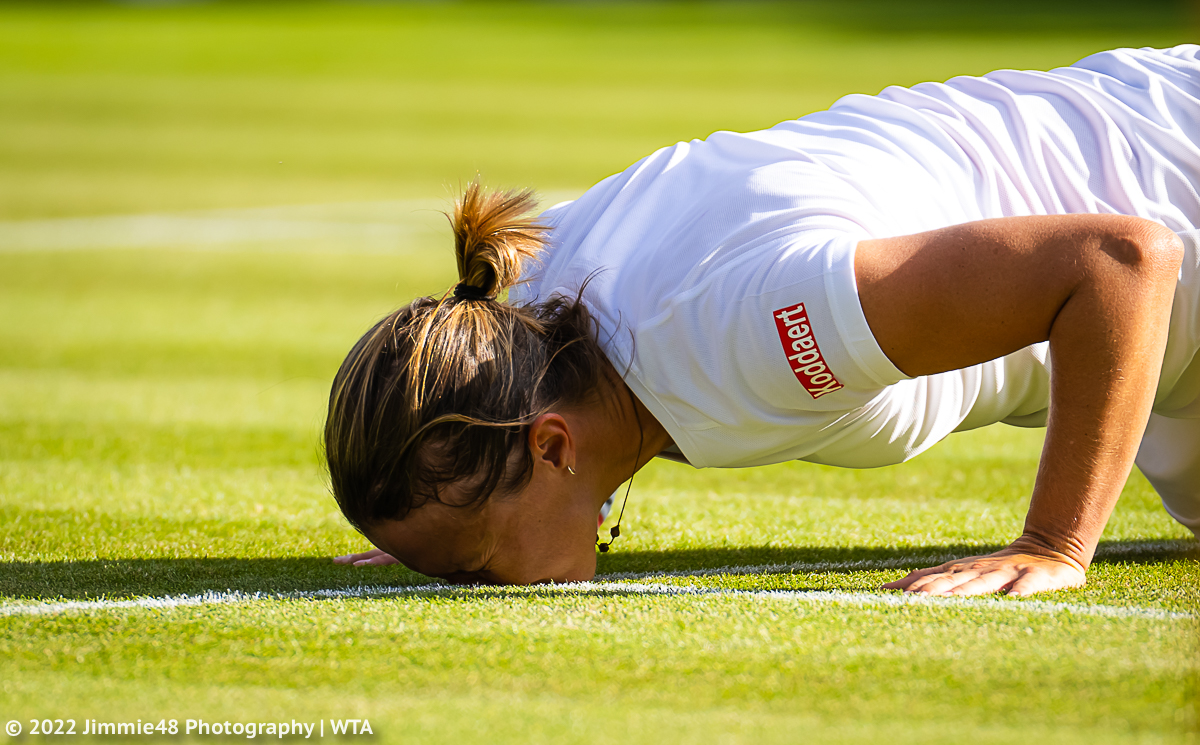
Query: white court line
[817, 597]
[618, 583]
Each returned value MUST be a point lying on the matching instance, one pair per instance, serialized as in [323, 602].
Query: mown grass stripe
[372, 224]
[369, 224]
[831, 597]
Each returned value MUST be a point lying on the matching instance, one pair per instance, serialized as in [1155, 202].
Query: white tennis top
[722, 271]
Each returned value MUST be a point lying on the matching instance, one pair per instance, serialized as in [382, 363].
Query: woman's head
[436, 412]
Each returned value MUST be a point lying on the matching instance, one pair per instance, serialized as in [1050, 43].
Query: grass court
[203, 206]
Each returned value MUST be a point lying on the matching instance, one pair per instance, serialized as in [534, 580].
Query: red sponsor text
[803, 354]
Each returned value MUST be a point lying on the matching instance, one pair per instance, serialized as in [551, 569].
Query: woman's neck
[622, 435]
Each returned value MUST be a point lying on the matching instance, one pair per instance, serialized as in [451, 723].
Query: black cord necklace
[615, 531]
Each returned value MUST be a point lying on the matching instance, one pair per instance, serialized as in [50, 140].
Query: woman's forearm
[1099, 288]
[1106, 350]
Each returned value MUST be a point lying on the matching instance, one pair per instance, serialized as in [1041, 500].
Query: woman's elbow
[1146, 248]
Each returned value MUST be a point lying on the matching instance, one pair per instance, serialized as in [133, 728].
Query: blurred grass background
[203, 205]
[140, 107]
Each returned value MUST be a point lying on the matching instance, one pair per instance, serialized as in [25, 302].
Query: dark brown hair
[444, 389]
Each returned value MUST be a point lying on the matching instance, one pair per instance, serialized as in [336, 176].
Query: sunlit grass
[160, 407]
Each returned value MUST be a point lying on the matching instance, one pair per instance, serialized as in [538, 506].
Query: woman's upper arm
[951, 298]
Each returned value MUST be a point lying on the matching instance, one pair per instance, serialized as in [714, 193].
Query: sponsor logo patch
[803, 354]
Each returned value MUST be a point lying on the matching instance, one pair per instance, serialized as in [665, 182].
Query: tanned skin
[1099, 288]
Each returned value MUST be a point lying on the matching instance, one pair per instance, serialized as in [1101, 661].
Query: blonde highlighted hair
[443, 389]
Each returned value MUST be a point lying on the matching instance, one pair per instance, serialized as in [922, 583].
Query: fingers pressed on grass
[952, 573]
[1028, 585]
[899, 584]
[938, 584]
[986, 584]
[972, 581]
[1035, 582]
[911, 577]
[374, 557]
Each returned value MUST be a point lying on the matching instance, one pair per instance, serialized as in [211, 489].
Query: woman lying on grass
[848, 288]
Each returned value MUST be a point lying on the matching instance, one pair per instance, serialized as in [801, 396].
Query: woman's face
[546, 531]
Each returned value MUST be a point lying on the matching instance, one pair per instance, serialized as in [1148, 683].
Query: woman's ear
[551, 442]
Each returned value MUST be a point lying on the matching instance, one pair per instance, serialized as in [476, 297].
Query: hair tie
[464, 291]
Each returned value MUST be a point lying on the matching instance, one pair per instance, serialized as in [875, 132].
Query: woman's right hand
[372, 558]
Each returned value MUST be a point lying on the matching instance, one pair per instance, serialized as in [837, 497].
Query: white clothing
[694, 252]
[1170, 459]
[1169, 456]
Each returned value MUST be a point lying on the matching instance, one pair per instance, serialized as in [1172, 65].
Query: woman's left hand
[1017, 569]
[372, 558]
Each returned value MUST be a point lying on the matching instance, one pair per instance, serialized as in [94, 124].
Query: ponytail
[443, 389]
[493, 236]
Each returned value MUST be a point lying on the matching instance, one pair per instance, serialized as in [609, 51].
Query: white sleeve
[771, 350]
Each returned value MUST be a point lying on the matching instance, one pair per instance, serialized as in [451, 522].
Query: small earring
[571, 470]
